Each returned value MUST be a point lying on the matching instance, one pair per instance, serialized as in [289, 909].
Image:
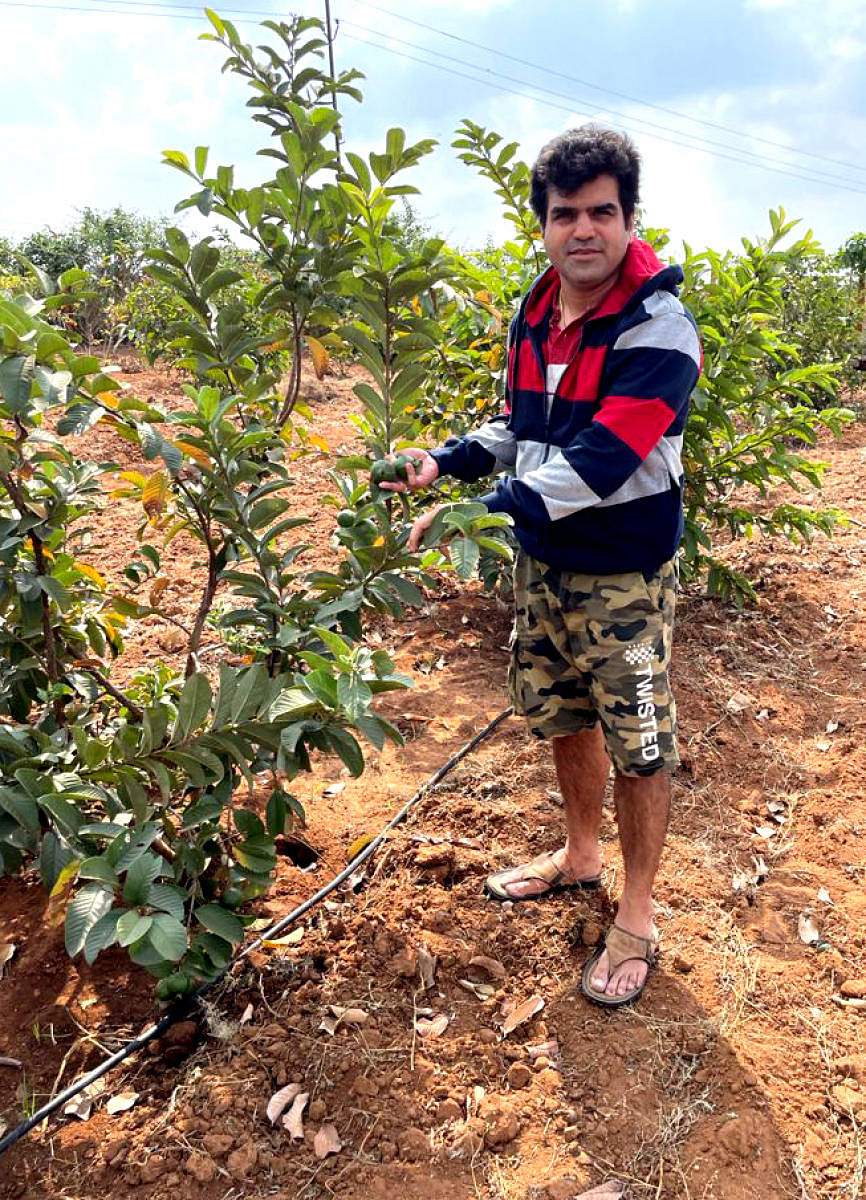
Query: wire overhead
[488, 77]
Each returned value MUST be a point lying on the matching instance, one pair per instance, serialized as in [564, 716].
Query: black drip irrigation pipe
[183, 1009]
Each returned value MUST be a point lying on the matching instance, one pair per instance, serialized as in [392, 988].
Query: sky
[737, 106]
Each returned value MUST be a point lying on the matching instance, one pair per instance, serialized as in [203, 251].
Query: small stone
[201, 1168]
[363, 1086]
[550, 1079]
[542, 1062]
[317, 1110]
[437, 860]
[683, 965]
[591, 933]
[218, 1144]
[853, 1065]
[518, 1075]
[449, 1110]
[404, 963]
[113, 1151]
[564, 1188]
[242, 1160]
[438, 920]
[153, 1169]
[503, 1131]
[854, 989]
[382, 944]
[467, 1144]
[388, 1150]
[413, 1144]
[846, 1099]
[487, 1036]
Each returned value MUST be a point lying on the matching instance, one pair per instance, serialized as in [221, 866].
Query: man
[602, 360]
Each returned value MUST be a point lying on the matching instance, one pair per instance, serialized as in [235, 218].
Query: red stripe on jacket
[581, 380]
[638, 423]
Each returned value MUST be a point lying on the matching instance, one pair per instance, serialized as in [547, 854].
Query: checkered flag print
[640, 655]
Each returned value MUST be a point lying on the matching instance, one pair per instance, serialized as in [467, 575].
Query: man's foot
[620, 969]
[550, 872]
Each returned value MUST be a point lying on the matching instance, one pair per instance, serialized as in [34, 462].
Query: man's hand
[420, 527]
[421, 470]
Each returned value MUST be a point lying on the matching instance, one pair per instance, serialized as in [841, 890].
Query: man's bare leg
[642, 809]
[582, 768]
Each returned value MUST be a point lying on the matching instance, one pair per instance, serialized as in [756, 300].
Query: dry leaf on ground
[81, 1105]
[247, 1015]
[433, 1026]
[548, 1049]
[121, 1102]
[333, 789]
[491, 967]
[291, 939]
[280, 1099]
[292, 1121]
[426, 967]
[337, 1016]
[824, 896]
[6, 952]
[522, 1013]
[482, 990]
[327, 1142]
[807, 930]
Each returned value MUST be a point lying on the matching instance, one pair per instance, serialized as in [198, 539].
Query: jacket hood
[642, 272]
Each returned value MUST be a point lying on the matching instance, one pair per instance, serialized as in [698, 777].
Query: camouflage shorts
[596, 648]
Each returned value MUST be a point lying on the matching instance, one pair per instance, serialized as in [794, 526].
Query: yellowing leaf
[109, 399]
[318, 442]
[321, 357]
[134, 477]
[59, 894]
[416, 306]
[358, 845]
[154, 494]
[291, 939]
[380, 540]
[156, 590]
[483, 297]
[195, 453]
[90, 573]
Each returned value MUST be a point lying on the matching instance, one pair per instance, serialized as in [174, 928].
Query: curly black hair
[577, 157]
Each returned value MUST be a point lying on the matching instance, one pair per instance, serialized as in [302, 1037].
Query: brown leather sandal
[621, 946]
[545, 870]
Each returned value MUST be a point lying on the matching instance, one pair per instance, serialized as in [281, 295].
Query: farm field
[740, 1074]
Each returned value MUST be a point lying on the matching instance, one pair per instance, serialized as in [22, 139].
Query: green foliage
[109, 247]
[296, 222]
[129, 800]
[753, 412]
[819, 312]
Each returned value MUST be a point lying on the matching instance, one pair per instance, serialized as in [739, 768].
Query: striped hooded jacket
[594, 468]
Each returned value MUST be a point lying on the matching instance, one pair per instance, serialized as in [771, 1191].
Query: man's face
[586, 235]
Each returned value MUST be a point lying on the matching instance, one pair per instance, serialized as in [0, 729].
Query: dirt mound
[740, 1073]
